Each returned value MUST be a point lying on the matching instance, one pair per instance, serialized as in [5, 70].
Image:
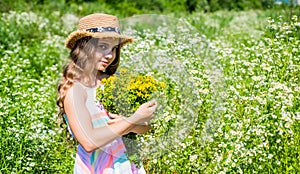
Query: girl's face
[105, 52]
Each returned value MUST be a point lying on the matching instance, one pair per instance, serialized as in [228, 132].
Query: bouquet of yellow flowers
[124, 92]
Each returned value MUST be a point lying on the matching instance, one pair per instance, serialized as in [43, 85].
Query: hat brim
[76, 35]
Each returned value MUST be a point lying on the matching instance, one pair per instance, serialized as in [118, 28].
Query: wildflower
[193, 158]
[256, 78]
[270, 156]
[205, 91]
[168, 118]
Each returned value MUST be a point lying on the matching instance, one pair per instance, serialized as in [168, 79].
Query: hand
[139, 129]
[115, 118]
[144, 113]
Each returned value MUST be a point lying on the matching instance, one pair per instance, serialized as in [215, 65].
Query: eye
[103, 47]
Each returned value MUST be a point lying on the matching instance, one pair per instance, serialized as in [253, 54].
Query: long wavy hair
[81, 67]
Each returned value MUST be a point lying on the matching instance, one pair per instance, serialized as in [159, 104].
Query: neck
[101, 75]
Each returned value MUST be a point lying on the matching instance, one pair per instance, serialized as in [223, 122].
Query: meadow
[231, 101]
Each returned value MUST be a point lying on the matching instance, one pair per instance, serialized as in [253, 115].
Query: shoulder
[76, 91]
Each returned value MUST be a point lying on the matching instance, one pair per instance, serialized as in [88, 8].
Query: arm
[140, 129]
[137, 128]
[81, 124]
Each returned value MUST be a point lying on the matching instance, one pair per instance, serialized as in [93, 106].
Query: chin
[101, 68]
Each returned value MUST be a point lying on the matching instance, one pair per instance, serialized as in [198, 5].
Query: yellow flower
[128, 89]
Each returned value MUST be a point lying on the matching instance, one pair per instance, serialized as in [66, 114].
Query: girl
[95, 54]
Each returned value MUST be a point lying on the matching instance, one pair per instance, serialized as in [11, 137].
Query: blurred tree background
[124, 8]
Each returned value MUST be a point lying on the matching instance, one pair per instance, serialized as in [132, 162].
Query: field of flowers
[230, 102]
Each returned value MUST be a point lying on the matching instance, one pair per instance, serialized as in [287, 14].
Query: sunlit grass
[244, 113]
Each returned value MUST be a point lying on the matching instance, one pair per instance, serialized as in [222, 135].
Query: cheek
[98, 55]
[111, 61]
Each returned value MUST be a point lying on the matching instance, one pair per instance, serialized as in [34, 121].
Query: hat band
[104, 29]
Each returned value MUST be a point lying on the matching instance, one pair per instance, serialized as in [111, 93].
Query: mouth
[104, 63]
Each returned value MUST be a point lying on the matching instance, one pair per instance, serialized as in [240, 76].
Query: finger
[112, 121]
[114, 115]
[109, 122]
[152, 103]
[151, 116]
[153, 107]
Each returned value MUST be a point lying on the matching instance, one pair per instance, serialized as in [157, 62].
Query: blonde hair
[81, 67]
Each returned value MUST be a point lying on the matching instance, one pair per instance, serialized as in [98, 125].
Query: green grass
[243, 68]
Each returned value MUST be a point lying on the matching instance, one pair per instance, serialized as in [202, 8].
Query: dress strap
[82, 85]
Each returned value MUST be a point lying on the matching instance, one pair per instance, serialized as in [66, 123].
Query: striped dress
[110, 159]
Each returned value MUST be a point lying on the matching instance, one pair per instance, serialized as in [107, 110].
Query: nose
[109, 55]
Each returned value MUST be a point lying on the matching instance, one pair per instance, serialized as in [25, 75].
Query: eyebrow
[107, 43]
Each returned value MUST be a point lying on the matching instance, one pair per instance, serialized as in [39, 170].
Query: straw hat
[99, 26]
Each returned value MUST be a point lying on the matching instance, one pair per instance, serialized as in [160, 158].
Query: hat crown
[98, 20]
[97, 25]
